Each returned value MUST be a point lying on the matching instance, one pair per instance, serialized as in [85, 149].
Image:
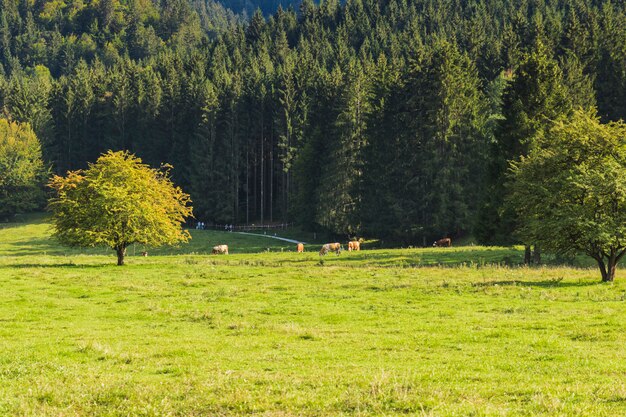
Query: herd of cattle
[353, 245]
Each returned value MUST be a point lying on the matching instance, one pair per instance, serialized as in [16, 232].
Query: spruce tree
[534, 98]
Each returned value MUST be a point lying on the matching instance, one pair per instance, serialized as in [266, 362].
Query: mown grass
[432, 332]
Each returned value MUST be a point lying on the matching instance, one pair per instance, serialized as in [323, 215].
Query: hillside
[31, 238]
[385, 119]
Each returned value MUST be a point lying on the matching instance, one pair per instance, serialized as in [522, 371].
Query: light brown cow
[354, 245]
[220, 250]
[445, 242]
[300, 247]
[331, 247]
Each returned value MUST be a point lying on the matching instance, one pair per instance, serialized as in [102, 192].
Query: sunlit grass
[433, 332]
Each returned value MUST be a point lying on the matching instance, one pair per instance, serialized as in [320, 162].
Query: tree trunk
[612, 267]
[527, 255]
[271, 183]
[255, 184]
[607, 270]
[121, 252]
[247, 187]
[283, 199]
[286, 215]
[603, 270]
[262, 184]
[69, 143]
[262, 171]
[537, 255]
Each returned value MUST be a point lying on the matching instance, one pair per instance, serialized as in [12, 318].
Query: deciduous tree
[21, 168]
[570, 191]
[119, 201]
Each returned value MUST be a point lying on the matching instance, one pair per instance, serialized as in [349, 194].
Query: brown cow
[220, 250]
[300, 247]
[354, 245]
[144, 253]
[445, 242]
[330, 247]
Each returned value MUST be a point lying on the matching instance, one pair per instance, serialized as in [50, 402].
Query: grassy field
[427, 332]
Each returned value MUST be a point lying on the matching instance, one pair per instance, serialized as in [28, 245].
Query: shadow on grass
[49, 246]
[10, 225]
[41, 246]
[428, 257]
[20, 220]
[551, 283]
[62, 265]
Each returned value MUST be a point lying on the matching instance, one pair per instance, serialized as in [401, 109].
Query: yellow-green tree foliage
[21, 168]
[119, 201]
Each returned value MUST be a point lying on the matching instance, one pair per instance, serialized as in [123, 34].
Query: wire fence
[242, 227]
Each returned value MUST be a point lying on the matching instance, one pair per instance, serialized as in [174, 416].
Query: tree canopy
[116, 202]
[387, 118]
[21, 168]
[570, 191]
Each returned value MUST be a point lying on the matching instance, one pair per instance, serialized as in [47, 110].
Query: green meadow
[462, 331]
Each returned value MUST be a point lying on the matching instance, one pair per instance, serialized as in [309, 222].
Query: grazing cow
[300, 248]
[144, 253]
[445, 242]
[220, 250]
[330, 247]
[354, 245]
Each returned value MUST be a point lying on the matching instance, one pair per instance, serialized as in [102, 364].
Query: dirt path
[273, 237]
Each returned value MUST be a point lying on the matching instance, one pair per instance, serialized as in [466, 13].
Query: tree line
[389, 118]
